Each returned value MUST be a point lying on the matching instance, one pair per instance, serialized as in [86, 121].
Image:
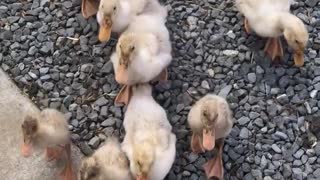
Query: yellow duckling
[149, 143]
[116, 15]
[210, 120]
[142, 53]
[272, 18]
[108, 162]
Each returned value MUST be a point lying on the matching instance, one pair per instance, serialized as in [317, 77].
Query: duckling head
[209, 117]
[143, 158]
[296, 36]
[105, 15]
[30, 127]
[89, 169]
[127, 48]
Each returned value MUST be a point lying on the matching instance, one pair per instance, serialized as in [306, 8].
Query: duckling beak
[298, 57]
[105, 29]
[208, 138]
[121, 75]
[26, 150]
[142, 177]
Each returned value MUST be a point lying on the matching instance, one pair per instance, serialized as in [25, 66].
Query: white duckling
[210, 120]
[116, 15]
[142, 53]
[108, 162]
[272, 18]
[149, 143]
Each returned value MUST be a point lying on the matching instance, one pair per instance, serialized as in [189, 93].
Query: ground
[211, 54]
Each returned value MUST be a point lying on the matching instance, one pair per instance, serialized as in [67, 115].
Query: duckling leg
[89, 7]
[274, 49]
[163, 76]
[214, 167]
[67, 173]
[196, 145]
[246, 26]
[124, 95]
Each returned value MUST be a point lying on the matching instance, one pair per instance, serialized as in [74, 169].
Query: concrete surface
[13, 107]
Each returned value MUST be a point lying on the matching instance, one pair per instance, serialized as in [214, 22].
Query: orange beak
[26, 150]
[105, 30]
[141, 177]
[121, 75]
[208, 139]
[298, 58]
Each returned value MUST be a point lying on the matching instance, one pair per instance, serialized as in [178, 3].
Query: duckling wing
[194, 117]
[279, 5]
[262, 7]
[149, 68]
[164, 159]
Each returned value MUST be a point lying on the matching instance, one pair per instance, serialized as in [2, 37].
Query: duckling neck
[286, 20]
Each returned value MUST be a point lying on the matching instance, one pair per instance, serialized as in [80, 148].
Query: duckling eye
[297, 42]
[114, 8]
[132, 48]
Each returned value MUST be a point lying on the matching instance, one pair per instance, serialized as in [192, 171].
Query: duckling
[149, 143]
[116, 15]
[49, 130]
[89, 7]
[109, 162]
[142, 54]
[272, 18]
[210, 120]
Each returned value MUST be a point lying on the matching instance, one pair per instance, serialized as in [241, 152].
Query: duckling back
[143, 111]
[54, 127]
[111, 162]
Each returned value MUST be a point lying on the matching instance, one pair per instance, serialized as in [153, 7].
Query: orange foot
[124, 95]
[214, 167]
[274, 49]
[53, 153]
[163, 76]
[196, 145]
[89, 7]
[67, 173]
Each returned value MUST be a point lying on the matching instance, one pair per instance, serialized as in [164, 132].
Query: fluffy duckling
[109, 162]
[142, 53]
[272, 18]
[116, 15]
[49, 131]
[89, 7]
[149, 143]
[210, 120]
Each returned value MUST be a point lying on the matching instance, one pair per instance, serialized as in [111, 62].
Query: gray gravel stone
[276, 148]
[244, 133]
[212, 54]
[243, 120]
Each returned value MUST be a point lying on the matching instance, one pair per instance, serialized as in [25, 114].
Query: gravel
[212, 54]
